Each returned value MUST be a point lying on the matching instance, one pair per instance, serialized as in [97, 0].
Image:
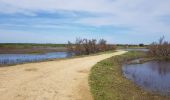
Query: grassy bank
[108, 83]
[28, 45]
[27, 48]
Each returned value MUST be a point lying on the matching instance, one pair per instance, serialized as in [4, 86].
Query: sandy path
[52, 80]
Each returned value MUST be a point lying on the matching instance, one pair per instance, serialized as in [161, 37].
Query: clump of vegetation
[160, 49]
[141, 45]
[86, 47]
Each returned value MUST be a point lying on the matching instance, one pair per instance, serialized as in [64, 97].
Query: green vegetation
[108, 83]
[30, 48]
[28, 45]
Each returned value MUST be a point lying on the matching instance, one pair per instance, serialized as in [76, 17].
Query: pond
[22, 58]
[152, 76]
[136, 49]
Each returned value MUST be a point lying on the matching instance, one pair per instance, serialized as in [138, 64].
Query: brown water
[153, 76]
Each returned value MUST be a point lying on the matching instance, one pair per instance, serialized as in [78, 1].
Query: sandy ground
[52, 80]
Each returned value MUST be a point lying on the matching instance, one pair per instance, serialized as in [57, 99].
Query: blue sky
[57, 21]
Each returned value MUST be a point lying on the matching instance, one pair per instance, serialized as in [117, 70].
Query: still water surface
[153, 76]
[22, 58]
[136, 49]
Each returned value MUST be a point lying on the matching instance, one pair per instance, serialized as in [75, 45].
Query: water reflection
[151, 76]
[136, 49]
[21, 58]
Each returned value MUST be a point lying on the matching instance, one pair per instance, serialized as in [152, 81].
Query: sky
[57, 21]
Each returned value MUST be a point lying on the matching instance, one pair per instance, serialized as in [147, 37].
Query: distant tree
[141, 45]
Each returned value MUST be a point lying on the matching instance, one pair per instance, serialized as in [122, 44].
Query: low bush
[86, 47]
[160, 49]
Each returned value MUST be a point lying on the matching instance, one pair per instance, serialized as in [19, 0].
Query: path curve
[52, 80]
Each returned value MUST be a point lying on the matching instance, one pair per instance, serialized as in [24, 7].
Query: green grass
[108, 83]
[28, 45]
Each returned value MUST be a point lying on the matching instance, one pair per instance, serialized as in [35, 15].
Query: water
[136, 49]
[153, 76]
[22, 58]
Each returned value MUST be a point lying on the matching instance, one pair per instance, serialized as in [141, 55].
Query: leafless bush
[86, 47]
[102, 45]
[70, 46]
[161, 48]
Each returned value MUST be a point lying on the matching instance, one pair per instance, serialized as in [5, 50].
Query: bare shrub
[70, 46]
[161, 48]
[102, 45]
[86, 47]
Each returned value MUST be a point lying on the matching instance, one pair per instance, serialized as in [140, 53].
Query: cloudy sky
[57, 21]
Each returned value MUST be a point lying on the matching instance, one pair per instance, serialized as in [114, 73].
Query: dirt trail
[52, 80]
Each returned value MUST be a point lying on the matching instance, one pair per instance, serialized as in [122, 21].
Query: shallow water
[153, 76]
[136, 49]
[22, 58]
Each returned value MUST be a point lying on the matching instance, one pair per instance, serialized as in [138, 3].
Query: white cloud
[52, 5]
[140, 15]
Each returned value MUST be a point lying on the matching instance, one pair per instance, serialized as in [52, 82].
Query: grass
[28, 45]
[28, 48]
[108, 83]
